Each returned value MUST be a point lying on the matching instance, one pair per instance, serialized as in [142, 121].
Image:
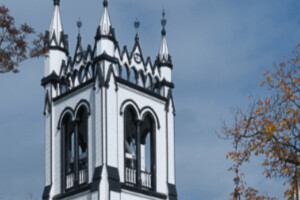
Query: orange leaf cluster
[271, 127]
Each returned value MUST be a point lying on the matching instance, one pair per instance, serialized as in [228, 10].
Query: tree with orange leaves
[271, 127]
[14, 42]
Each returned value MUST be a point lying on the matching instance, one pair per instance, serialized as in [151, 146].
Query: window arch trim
[140, 112]
[83, 103]
[73, 113]
[67, 110]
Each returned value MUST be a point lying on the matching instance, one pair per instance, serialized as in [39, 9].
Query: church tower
[109, 118]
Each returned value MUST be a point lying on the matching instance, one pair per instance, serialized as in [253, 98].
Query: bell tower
[109, 117]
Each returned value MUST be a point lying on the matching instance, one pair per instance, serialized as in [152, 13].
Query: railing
[130, 177]
[146, 179]
[70, 180]
[82, 176]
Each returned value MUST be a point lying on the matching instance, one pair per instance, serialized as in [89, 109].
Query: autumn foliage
[15, 44]
[271, 127]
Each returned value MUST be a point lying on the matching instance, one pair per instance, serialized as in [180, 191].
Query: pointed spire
[79, 25]
[56, 25]
[105, 23]
[137, 26]
[164, 52]
[79, 50]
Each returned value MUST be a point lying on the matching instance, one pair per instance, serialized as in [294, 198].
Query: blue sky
[220, 49]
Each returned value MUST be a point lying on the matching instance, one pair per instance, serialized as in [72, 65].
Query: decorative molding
[170, 100]
[96, 179]
[85, 103]
[141, 112]
[172, 191]
[52, 78]
[70, 92]
[143, 191]
[67, 110]
[72, 192]
[46, 193]
[113, 179]
[141, 89]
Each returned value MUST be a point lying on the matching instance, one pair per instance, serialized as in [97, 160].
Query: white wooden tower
[109, 118]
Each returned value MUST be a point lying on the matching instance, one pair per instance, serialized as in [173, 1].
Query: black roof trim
[59, 49]
[167, 83]
[72, 192]
[105, 56]
[52, 78]
[141, 89]
[143, 191]
[73, 90]
[111, 36]
[160, 64]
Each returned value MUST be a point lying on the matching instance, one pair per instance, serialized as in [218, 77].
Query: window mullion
[76, 163]
[63, 154]
[138, 153]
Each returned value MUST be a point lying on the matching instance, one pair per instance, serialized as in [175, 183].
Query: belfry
[109, 118]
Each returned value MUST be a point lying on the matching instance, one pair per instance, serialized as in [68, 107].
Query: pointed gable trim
[170, 101]
[111, 73]
[47, 106]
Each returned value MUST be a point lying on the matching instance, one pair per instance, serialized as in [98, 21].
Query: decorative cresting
[84, 67]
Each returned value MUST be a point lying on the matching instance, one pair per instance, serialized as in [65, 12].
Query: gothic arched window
[139, 149]
[148, 147]
[130, 142]
[68, 151]
[75, 149]
[82, 122]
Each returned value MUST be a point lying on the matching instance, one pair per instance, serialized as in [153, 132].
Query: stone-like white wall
[112, 124]
[53, 61]
[171, 142]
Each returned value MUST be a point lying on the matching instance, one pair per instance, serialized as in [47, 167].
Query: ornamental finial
[137, 26]
[79, 25]
[163, 23]
[105, 3]
[56, 2]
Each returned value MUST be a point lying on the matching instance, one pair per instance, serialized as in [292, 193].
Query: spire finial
[105, 3]
[56, 2]
[79, 24]
[163, 22]
[137, 26]
[105, 24]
